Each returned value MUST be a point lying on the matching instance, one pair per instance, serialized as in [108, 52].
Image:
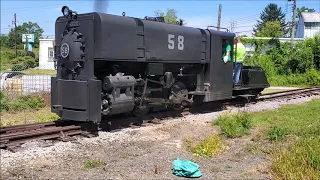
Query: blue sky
[195, 13]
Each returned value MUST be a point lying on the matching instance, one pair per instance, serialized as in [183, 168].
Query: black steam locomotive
[108, 64]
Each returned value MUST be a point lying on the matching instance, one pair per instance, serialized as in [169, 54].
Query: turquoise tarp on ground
[186, 168]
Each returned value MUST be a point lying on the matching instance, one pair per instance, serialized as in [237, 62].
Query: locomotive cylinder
[120, 90]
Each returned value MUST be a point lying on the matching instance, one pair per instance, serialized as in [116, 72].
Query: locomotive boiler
[109, 64]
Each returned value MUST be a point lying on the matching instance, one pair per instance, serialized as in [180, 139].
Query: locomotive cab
[252, 79]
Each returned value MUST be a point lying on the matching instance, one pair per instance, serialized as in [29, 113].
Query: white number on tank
[171, 42]
[180, 42]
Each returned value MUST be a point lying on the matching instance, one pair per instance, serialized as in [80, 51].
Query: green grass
[301, 160]
[297, 157]
[17, 109]
[208, 147]
[299, 120]
[277, 134]
[234, 126]
[93, 164]
[52, 73]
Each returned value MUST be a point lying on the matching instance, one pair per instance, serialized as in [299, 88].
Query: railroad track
[12, 137]
[302, 92]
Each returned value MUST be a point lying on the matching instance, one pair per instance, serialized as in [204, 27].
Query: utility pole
[233, 25]
[219, 17]
[293, 21]
[15, 32]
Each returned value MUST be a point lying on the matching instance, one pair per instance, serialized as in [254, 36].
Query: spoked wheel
[140, 111]
[179, 93]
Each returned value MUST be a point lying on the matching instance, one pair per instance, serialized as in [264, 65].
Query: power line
[232, 25]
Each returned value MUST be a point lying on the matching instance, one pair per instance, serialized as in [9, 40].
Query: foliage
[23, 62]
[271, 29]
[93, 164]
[300, 160]
[277, 133]
[22, 102]
[310, 78]
[2, 101]
[170, 16]
[303, 9]
[209, 147]
[234, 126]
[299, 157]
[301, 59]
[285, 65]
[314, 44]
[27, 116]
[4, 41]
[271, 13]
[25, 28]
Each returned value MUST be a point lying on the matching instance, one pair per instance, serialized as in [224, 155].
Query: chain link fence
[26, 84]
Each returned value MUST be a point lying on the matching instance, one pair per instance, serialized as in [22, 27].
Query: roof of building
[46, 39]
[310, 16]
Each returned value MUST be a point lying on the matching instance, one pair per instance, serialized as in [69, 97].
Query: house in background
[308, 25]
[46, 54]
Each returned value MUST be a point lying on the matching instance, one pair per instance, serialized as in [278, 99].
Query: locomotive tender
[108, 64]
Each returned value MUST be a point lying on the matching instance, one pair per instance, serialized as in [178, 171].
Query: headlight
[65, 11]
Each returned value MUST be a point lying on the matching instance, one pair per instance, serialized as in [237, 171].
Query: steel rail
[15, 135]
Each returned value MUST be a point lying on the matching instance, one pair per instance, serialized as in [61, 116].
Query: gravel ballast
[141, 153]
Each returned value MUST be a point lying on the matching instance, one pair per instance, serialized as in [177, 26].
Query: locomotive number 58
[171, 42]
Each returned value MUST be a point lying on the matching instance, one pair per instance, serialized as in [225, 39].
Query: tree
[272, 13]
[4, 40]
[170, 16]
[25, 28]
[271, 29]
[303, 9]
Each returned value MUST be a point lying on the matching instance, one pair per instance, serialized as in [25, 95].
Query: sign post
[29, 40]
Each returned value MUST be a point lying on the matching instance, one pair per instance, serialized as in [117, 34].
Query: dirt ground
[146, 153]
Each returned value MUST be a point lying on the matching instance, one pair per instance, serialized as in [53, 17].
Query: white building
[308, 25]
[46, 54]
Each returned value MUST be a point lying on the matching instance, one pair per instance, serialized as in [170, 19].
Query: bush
[284, 65]
[234, 126]
[23, 63]
[2, 101]
[314, 44]
[310, 78]
[22, 102]
[302, 59]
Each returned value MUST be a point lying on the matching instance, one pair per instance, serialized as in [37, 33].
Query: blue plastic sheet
[186, 168]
